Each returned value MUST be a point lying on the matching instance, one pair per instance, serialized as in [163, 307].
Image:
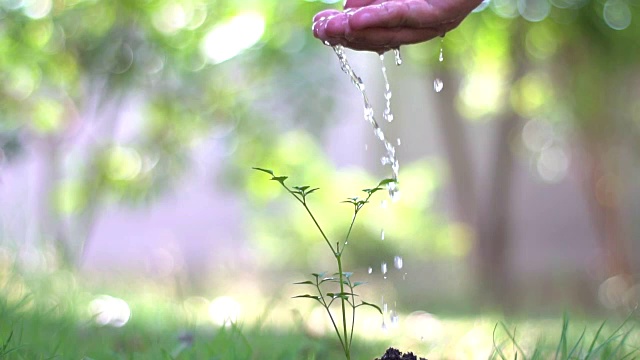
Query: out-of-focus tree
[545, 71]
[74, 74]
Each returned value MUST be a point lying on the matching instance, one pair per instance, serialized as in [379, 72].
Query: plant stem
[304, 203]
[347, 345]
[333, 322]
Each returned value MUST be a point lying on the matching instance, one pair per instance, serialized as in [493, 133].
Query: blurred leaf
[264, 170]
[308, 282]
[307, 296]
[364, 303]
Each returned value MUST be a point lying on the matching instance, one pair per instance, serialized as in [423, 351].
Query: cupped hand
[381, 25]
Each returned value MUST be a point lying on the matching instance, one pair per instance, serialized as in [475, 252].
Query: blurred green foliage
[71, 65]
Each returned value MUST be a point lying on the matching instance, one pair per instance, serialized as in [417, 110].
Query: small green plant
[345, 294]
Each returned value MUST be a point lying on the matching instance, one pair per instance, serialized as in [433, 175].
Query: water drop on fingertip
[398, 56]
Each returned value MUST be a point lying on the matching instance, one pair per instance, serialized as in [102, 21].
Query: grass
[47, 318]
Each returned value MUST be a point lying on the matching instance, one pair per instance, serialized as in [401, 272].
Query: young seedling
[346, 296]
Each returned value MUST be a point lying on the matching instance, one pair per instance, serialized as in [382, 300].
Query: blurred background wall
[128, 130]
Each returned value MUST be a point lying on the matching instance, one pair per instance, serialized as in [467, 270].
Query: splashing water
[395, 318]
[369, 115]
[383, 268]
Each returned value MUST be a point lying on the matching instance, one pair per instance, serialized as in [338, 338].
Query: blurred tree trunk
[493, 242]
[486, 211]
[459, 157]
[602, 191]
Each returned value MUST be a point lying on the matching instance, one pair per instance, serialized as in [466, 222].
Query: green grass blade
[595, 339]
[513, 339]
[562, 344]
[578, 343]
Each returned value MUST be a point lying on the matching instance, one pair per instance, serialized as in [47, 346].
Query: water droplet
[438, 85]
[366, 147]
[395, 318]
[383, 267]
[382, 235]
[385, 307]
[383, 204]
[370, 270]
[398, 56]
[398, 262]
[384, 326]
[399, 142]
[404, 276]
[441, 57]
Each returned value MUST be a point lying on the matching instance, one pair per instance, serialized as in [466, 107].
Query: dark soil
[395, 354]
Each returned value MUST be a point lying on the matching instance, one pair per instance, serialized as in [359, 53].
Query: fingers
[389, 38]
[416, 13]
[325, 14]
[350, 4]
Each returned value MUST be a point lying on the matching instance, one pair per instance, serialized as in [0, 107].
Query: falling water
[387, 115]
[438, 85]
[398, 263]
[390, 157]
[398, 56]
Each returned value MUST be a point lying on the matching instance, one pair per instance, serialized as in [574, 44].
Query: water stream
[390, 158]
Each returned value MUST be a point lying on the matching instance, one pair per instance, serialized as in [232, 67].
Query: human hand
[382, 25]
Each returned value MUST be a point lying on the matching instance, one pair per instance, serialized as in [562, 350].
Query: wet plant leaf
[386, 182]
[358, 283]
[364, 303]
[319, 275]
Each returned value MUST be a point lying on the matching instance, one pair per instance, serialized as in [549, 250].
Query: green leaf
[319, 275]
[280, 179]
[364, 303]
[308, 282]
[343, 295]
[264, 170]
[371, 191]
[386, 182]
[332, 279]
[301, 188]
[312, 190]
[358, 283]
[307, 296]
